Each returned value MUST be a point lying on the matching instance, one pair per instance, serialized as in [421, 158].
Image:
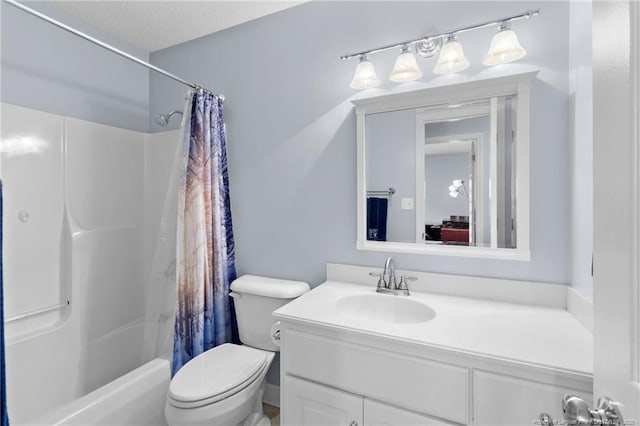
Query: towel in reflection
[377, 219]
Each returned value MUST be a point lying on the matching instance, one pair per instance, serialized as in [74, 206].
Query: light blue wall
[48, 69]
[391, 157]
[291, 128]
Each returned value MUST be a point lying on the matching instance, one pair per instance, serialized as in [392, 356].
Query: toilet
[224, 385]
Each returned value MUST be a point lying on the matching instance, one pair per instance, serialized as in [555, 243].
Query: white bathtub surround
[84, 186]
[556, 296]
[28, 137]
[476, 361]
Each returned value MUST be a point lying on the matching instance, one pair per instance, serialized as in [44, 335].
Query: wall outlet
[407, 204]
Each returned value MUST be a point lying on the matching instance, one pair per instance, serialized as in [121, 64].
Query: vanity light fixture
[406, 68]
[451, 58]
[504, 48]
[428, 47]
[365, 76]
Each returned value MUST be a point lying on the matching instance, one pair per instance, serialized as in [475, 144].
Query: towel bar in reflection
[387, 193]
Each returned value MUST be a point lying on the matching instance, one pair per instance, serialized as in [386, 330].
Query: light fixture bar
[524, 15]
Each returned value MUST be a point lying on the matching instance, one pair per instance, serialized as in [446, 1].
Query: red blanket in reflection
[454, 235]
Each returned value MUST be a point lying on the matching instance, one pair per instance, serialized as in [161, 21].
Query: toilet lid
[216, 374]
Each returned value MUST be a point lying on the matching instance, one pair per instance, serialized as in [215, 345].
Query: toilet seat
[215, 375]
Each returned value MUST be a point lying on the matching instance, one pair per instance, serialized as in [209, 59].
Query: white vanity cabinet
[341, 377]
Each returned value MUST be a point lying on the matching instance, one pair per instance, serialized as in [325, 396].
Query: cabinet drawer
[504, 400]
[424, 386]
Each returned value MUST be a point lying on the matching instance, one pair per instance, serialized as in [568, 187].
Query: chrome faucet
[389, 273]
[387, 282]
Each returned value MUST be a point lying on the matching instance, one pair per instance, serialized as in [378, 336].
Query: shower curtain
[4, 415]
[205, 251]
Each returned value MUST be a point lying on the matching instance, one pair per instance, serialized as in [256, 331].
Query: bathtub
[137, 398]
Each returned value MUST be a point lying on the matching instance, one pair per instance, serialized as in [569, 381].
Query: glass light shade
[457, 183]
[452, 188]
[454, 194]
[505, 47]
[451, 59]
[405, 69]
[365, 76]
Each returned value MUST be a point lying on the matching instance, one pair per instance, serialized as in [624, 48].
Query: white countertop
[541, 336]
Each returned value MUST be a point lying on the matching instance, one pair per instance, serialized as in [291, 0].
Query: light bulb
[451, 58]
[452, 188]
[365, 76]
[504, 48]
[457, 183]
[405, 69]
[454, 194]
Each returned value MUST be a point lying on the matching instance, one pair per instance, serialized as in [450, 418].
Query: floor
[273, 413]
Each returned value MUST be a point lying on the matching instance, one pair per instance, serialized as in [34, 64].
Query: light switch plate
[407, 204]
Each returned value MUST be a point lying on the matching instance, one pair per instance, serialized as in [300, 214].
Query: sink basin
[385, 308]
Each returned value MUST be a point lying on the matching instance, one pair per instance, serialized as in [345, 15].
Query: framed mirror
[445, 170]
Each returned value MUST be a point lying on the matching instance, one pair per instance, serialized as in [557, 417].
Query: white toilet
[224, 385]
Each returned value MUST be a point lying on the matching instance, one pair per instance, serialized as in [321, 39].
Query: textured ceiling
[154, 25]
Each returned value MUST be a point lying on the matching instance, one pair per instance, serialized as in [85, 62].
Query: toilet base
[256, 419]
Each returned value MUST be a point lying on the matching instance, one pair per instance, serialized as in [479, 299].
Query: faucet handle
[402, 285]
[380, 280]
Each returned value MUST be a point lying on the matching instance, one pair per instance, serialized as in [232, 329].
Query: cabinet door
[377, 414]
[505, 401]
[310, 404]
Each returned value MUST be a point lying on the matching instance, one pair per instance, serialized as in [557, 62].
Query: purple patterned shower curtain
[205, 250]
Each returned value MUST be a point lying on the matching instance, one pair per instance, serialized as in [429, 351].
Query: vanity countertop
[541, 336]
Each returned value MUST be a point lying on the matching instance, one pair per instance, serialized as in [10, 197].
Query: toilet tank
[255, 298]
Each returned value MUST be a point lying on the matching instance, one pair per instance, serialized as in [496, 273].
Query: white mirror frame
[518, 84]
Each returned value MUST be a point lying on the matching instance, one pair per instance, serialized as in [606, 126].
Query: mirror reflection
[443, 174]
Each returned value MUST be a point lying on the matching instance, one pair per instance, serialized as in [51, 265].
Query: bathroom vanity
[353, 357]
[458, 350]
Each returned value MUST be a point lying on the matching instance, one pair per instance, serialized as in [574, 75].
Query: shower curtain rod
[105, 45]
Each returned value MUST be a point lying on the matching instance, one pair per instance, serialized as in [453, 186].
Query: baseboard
[580, 308]
[272, 395]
